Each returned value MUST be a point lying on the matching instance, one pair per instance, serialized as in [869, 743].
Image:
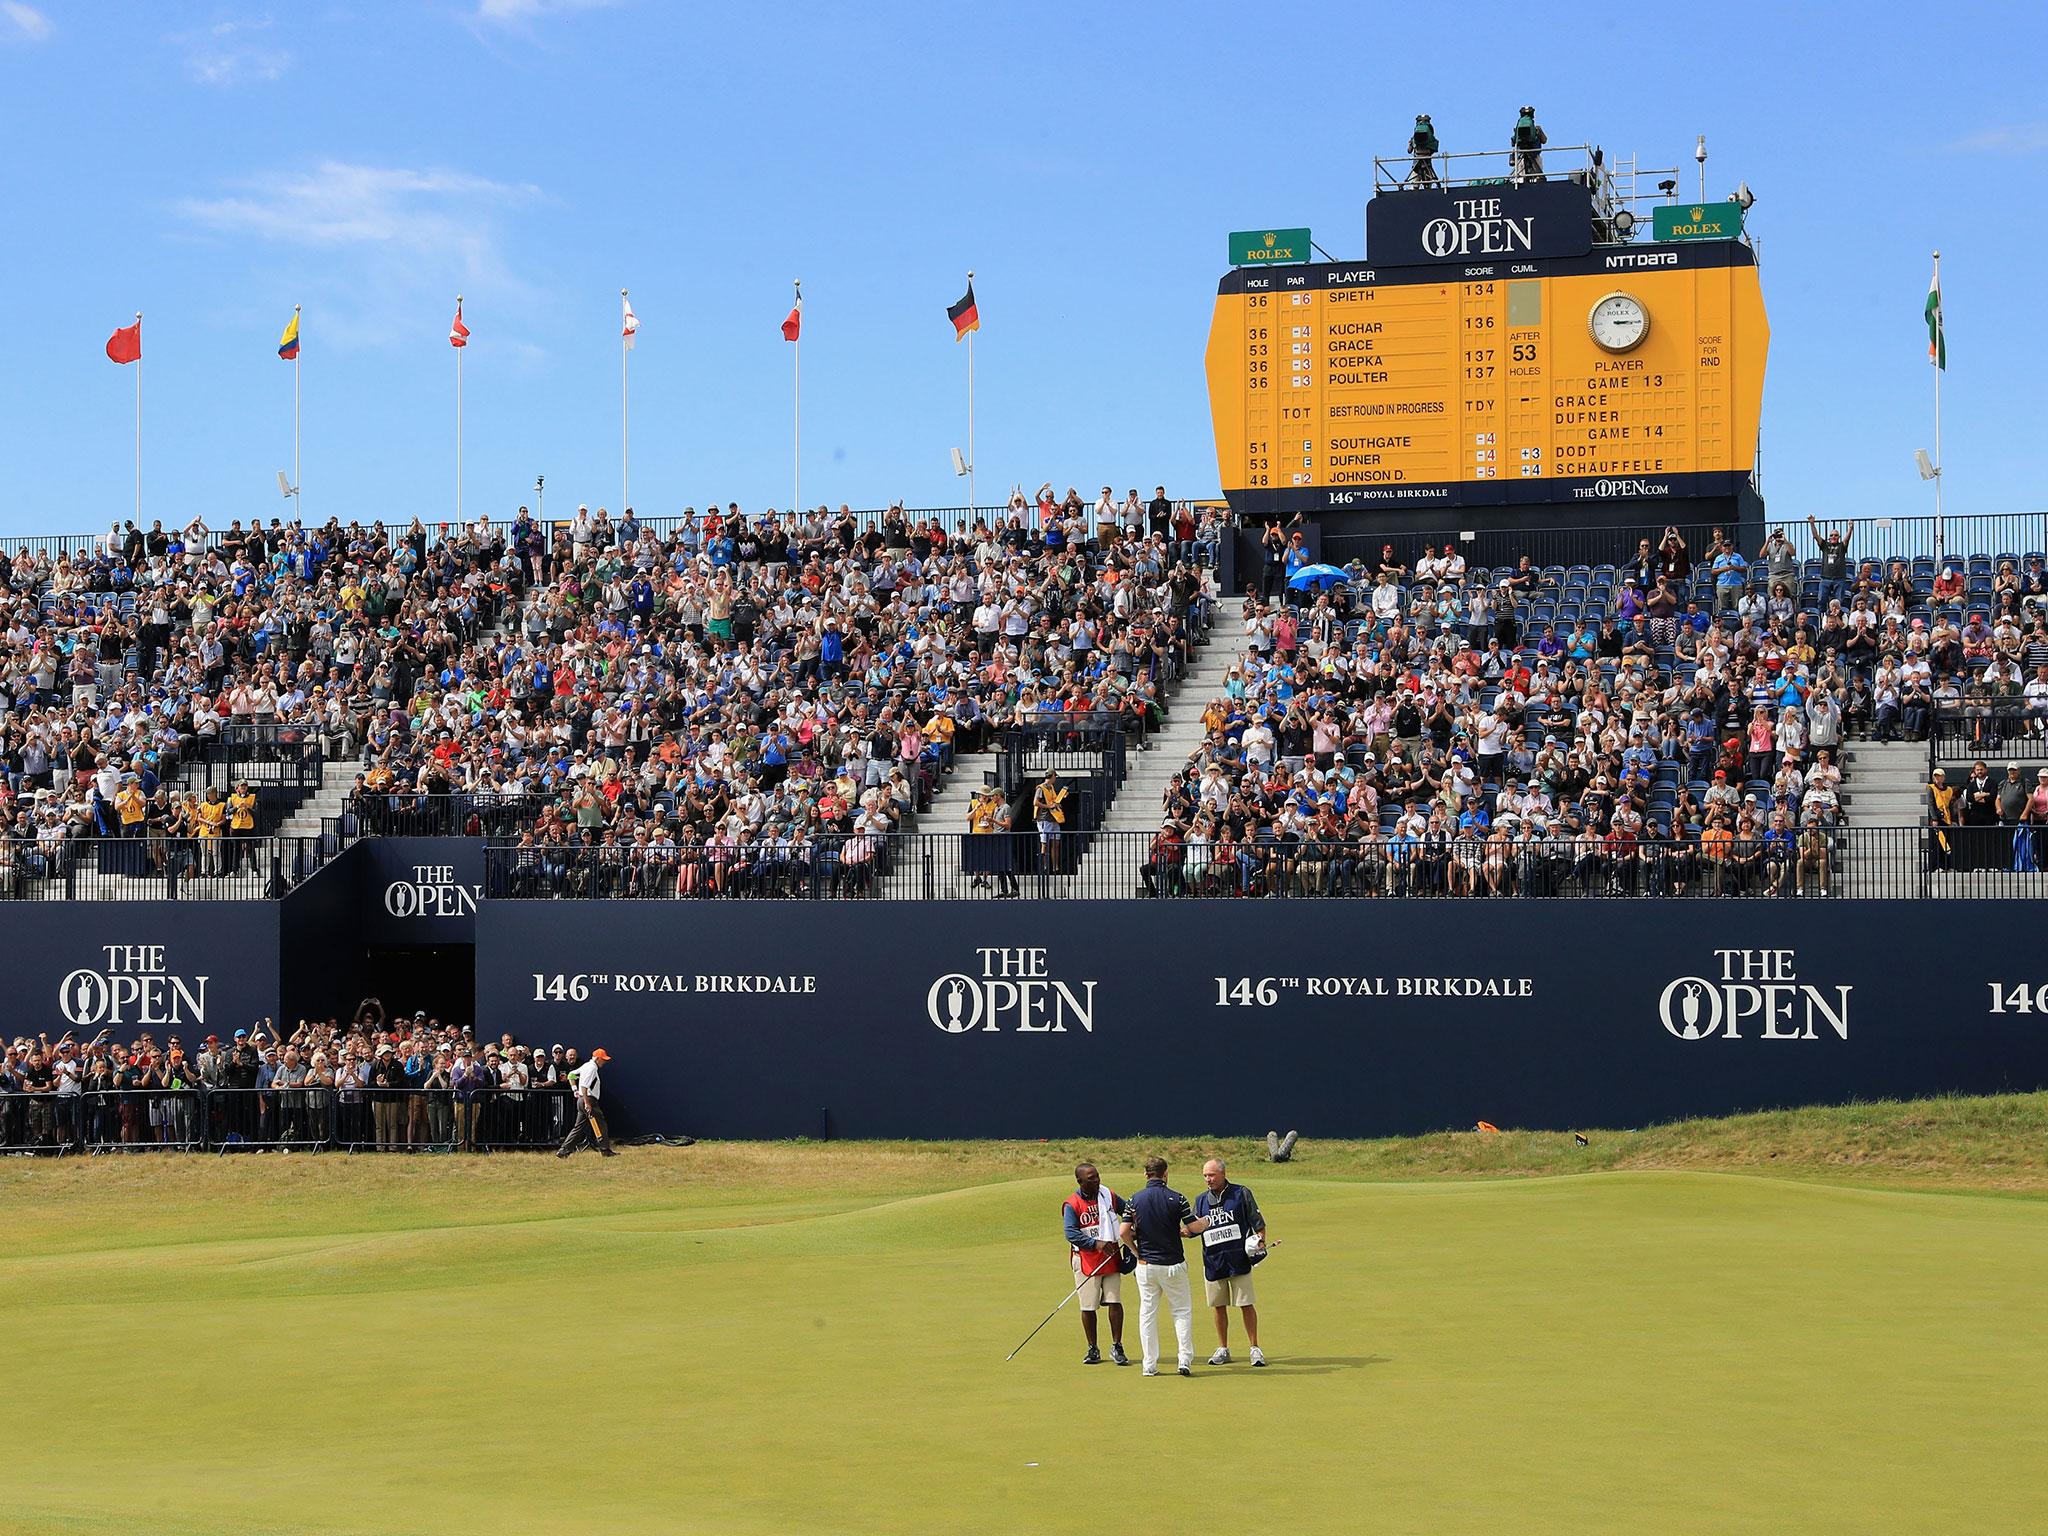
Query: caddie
[1233, 1240]
[1090, 1218]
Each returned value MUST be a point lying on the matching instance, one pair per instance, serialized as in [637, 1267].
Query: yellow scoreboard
[1625, 372]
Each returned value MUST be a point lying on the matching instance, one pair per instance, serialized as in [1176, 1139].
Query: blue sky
[213, 165]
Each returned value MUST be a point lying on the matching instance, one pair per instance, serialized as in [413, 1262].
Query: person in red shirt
[1090, 1219]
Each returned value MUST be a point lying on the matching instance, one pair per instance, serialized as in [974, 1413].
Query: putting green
[781, 1345]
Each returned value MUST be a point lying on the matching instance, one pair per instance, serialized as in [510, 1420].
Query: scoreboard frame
[1390, 406]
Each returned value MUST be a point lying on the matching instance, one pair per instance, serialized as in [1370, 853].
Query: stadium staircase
[1166, 754]
[1139, 804]
[329, 800]
[1884, 784]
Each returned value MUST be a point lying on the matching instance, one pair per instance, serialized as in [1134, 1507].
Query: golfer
[1159, 1218]
[589, 1119]
[1090, 1219]
[1230, 1217]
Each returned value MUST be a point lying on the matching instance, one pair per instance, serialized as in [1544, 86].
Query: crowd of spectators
[1668, 725]
[375, 1081]
[121, 665]
[729, 703]
[748, 686]
[1984, 819]
[743, 705]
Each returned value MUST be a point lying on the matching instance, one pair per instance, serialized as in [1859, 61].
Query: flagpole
[796, 494]
[1940, 324]
[625, 418]
[458, 420]
[298, 502]
[138, 418]
[970, 408]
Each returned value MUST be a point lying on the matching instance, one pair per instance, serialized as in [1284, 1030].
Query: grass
[1806, 1321]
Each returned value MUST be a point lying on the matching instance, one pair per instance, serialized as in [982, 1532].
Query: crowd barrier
[271, 1119]
[103, 1120]
[1998, 729]
[231, 868]
[461, 813]
[1875, 538]
[1845, 862]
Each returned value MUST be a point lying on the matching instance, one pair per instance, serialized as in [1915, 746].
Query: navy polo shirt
[1158, 1212]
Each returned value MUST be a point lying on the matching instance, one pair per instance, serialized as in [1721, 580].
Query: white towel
[1105, 1215]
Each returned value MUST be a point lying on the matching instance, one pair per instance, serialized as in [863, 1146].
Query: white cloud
[519, 12]
[380, 241]
[2011, 139]
[232, 52]
[337, 204]
[26, 20]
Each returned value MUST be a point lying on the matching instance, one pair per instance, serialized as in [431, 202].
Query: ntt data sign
[1066, 1019]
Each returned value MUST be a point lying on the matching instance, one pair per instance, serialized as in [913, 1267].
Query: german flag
[964, 315]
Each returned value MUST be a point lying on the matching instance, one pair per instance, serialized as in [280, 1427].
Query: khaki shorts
[1232, 1291]
[1097, 1290]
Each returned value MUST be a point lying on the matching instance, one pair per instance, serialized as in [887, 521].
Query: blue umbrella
[1319, 576]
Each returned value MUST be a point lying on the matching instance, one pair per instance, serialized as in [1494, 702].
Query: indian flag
[1937, 338]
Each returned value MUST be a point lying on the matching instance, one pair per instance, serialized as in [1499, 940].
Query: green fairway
[804, 1339]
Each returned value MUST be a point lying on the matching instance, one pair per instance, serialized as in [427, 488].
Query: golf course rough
[804, 1339]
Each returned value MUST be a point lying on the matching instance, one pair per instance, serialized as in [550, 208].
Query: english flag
[125, 345]
[632, 321]
[795, 322]
[458, 333]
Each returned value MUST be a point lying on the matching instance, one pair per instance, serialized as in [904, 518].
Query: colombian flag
[964, 315]
[288, 343]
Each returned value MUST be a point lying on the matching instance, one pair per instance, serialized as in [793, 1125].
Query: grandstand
[775, 707]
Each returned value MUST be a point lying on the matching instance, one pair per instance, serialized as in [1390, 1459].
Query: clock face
[1619, 322]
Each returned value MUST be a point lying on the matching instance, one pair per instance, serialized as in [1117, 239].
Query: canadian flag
[631, 322]
[795, 323]
[458, 333]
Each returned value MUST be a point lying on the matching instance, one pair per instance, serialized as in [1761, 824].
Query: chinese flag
[125, 345]
[793, 326]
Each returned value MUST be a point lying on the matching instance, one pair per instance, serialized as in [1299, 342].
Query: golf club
[1055, 1312]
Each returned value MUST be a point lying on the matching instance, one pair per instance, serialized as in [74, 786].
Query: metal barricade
[523, 1119]
[405, 1119]
[141, 1119]
[265, 1119]
[38, 1123]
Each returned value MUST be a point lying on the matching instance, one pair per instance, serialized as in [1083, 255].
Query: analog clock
[1618, 322]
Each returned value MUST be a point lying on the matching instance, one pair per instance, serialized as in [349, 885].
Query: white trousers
[1170, 1281]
